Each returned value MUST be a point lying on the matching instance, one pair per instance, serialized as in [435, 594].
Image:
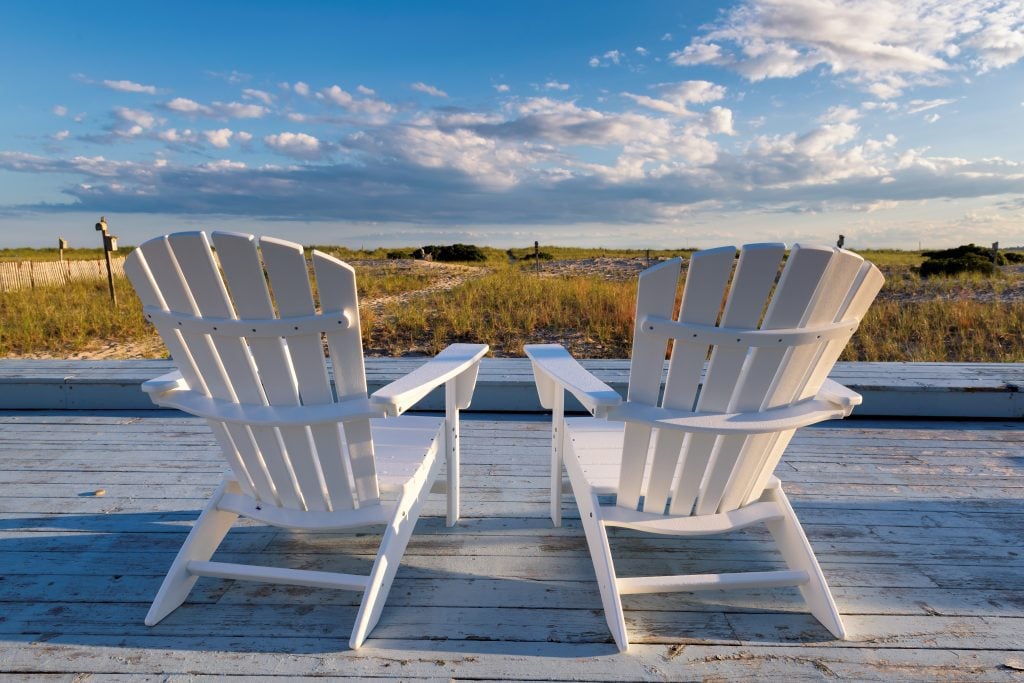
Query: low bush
[451, 252]
[967, 258]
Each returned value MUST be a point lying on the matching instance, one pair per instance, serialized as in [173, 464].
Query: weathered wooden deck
[919, 527]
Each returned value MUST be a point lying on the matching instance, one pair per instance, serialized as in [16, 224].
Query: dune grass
[962, 318]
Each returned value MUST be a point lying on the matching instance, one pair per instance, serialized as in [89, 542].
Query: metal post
[109, 245]
[995, 254]
[536, 255]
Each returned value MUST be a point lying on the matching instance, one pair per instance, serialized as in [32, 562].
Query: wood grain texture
[919, 526]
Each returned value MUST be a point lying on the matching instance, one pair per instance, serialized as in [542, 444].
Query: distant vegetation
[466, 253]
[967, 258]
[962, 317]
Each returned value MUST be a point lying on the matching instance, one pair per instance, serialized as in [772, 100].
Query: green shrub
[452, 252]
[967, 258]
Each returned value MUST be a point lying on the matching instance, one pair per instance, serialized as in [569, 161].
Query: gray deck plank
[919, 526]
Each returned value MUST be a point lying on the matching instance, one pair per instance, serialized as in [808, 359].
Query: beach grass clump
[61, 320]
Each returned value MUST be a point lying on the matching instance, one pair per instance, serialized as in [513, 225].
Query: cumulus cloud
[502, 87]
[60, 110]
[422, 87]
[363, 90]
[642, 51]
[261, 95]
[294, 144]
[375, 108]
[301, 89]
[175, 136]
[613, 56]
[224, 110]
[132, 122]
[61, 135]
[555, 85]
[220, 138]
[675, 96]
[244, 137]
[883, 47]
[130, 86]
[594, 62]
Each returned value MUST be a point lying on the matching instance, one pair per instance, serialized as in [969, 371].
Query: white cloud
[294, 144]
[130, 86]
[555, 85]
[718, 120]
[296, 117]
[916, 106]
[235, 110]
[884, 46]
[244, 137]
[133, 122]
[594, 62]
[363, 90]
[501, 87]
[187, 106]
[240, 110]
[60, 110]
[61, 135]
[932, 118]
[220, 138]
[420, 86]
[301, 89]
[667, 36]
[675, 96]
[642, 51]
[376, 109]
[261, 95]
[175, 136]
[613, 56]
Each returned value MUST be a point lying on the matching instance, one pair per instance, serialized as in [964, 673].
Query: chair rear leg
[392, 548]
[206, 535]
[797, 551]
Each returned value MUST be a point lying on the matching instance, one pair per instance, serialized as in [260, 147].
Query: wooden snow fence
[15, 275]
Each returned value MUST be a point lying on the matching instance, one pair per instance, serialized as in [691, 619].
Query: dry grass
[63, 320]
[967, 318]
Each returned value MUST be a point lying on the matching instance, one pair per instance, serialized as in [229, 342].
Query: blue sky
[646, 124]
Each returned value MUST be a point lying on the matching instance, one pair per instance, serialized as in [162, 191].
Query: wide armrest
[458, 360]
[169, 382]
[756, 422]
[840, 395]
[554, 368]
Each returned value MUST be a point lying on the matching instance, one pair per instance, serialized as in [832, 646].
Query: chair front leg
[557, 445]
[452, 455]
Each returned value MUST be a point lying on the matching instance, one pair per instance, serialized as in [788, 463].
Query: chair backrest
[217, 317]
[812, 308]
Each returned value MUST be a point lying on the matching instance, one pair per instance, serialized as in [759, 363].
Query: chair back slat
[159, 260]
[337, 287]
[752, 283]
[198, 274]
[792, 374]
[243, 272]
[300, 467]
[656, 295]
[794, 293]
[868, 283]
[236, 443]
[703, 291]
[818, 287]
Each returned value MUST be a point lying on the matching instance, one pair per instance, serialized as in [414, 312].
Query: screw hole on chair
[254, 329]
[296, 327]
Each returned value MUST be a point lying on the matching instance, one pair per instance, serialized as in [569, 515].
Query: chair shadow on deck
[496, 589]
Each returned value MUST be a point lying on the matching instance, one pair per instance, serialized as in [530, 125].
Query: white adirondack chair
[301, 456]
[700, 461]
